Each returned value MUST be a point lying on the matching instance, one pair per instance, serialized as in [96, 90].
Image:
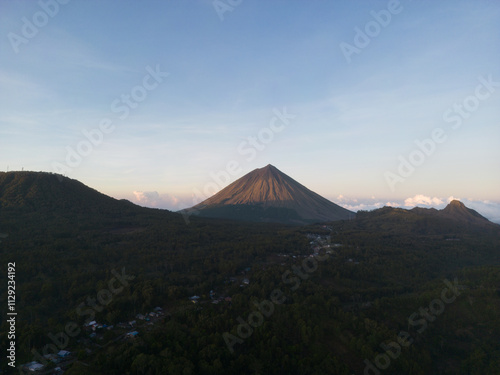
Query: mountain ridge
[453, 218]
[455, 210]
[272, 202]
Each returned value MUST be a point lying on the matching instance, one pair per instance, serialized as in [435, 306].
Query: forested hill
[41, 191]
[455, 218]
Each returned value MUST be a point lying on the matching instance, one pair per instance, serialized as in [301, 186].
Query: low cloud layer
[153, 199]
[422, 200]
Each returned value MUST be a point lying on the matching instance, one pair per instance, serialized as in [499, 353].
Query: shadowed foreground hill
[268, 195]
[54, 202]
[40, 191]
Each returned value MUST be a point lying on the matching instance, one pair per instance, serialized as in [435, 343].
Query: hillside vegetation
[373, 277]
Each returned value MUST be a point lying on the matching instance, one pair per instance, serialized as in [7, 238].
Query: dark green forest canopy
[381, 268]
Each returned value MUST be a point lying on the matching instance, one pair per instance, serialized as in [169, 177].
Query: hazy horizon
[488, 209]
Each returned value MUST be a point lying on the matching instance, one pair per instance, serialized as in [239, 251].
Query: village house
[33, 366]
[63, 353]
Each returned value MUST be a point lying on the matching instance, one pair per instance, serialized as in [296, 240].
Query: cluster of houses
[213, 297]
[92, 328]
[55, 358]
[319, 241]
[156, 313]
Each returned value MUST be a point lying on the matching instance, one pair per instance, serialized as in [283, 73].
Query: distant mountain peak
[456, 203]
[458, 211]
[267, 171]
[267, 194]
[455, 217]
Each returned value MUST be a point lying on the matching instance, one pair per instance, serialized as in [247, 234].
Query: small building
[132, 323]
[34, 366]
[132, 334]
[63, 353]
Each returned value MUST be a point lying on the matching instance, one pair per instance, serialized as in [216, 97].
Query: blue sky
[224, 70]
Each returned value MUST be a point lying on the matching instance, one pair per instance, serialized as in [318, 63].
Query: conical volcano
[268, 195]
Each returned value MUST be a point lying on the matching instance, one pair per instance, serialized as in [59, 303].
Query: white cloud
[353, 204]
[155, 200]
[423, 200]
[146, 196]
[358, 207]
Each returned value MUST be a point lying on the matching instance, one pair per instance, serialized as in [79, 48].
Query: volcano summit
[268, 195]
